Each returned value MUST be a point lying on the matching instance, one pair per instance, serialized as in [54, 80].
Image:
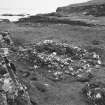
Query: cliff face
[96, 9]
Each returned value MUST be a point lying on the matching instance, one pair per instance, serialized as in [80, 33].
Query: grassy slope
[59, 31]
[66, 93]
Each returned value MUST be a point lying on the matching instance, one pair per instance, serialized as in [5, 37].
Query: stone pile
[60, 59]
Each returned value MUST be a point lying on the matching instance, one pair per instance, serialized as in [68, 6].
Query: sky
[36, 6]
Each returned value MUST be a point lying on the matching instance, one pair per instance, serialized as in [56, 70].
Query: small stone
[94, 93]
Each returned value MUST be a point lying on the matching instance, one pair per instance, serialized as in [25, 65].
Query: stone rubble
[12, 91]
[60, 59]
[94, 93]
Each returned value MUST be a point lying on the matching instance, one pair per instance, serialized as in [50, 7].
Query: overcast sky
[37, 5]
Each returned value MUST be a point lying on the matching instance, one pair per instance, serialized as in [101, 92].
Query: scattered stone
[12, 91]
[60, 59]
[94, 93]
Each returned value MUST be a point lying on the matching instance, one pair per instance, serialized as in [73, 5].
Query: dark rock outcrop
[90, 8]
[4, 21]
[13, 14]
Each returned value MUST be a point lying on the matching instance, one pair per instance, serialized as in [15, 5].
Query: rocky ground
[42, 90]
[85, 32]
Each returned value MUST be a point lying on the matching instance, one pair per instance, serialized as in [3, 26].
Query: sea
[15, 12]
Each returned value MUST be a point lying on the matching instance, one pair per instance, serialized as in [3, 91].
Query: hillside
[94, 8]
[87, 14]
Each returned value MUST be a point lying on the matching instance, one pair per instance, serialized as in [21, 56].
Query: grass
[59, 93]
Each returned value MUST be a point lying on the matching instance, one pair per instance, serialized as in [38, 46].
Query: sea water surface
[15, 13]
